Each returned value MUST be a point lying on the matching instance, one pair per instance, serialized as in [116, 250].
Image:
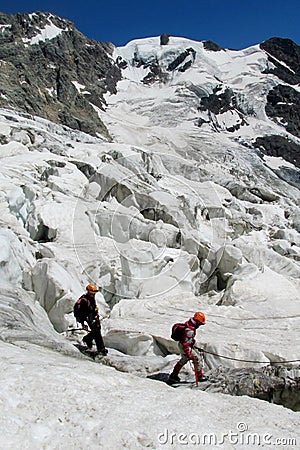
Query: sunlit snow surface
[56, 402]
[75, 208]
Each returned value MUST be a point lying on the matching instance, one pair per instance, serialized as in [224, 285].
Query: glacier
[177, 213]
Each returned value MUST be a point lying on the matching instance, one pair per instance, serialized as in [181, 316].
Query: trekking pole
[74, 329]
[196, 373]
[78, 329]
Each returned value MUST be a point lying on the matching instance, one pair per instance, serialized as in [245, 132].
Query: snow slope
[56, 402]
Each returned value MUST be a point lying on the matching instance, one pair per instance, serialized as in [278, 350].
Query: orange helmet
[92, 288]
[200, 317]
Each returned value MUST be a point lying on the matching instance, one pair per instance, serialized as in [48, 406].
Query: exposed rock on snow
[277, 384]
[283, 54]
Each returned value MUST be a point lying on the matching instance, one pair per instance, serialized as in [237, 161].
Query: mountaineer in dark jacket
[86, 313]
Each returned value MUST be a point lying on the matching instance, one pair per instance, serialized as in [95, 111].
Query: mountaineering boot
[174, 378]
[201, 377]
[102, 352]
[88, 342]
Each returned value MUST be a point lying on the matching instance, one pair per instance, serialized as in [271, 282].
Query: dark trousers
[95, 333]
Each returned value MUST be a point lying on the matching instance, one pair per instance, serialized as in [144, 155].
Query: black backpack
[178, 331]
[81, 310]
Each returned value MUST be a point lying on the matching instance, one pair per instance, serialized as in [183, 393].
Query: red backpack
[178, 331]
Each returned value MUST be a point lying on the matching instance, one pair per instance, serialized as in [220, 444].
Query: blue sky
[230, 23]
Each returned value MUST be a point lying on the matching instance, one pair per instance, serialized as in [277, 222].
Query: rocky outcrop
[61, 78]
[164, 39]
[218, 102]
[222, 101]
[181, 58]
[155, 74]
[279, 146]
[283, 106]
[284, 54]
[212, 46]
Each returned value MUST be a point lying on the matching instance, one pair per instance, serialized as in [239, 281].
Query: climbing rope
[246, 360]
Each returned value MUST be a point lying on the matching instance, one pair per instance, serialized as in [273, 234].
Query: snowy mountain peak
[186, 62]
[244, 93]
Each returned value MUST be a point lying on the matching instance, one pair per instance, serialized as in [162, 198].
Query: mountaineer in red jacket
[187, 350]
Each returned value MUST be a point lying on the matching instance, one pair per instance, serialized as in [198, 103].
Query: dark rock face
[283, 106]
[279, 146]
[121, 63]
[57, 79]
[180, 59]
[212, 46]
[155, 74]
[218, 103]
[289, 175]
[288, 52]
[164, 39]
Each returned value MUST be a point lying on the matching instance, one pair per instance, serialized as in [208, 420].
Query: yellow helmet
[92, 288]
[200, 317]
